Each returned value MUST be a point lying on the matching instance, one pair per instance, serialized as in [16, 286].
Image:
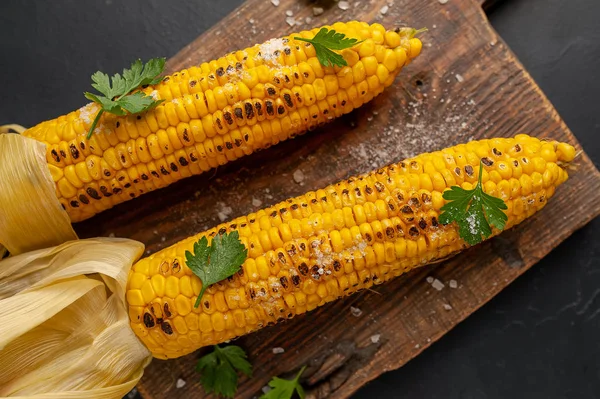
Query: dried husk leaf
[30, 215]
[64, 327]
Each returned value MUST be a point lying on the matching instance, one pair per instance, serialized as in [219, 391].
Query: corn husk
[64, 327]
[30, 215]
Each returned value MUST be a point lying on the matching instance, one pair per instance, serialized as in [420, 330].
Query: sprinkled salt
[256, 202]
[384, 10]
[266, 389]
[437, 284]
[180, 383]
[430, 279]
[269, 49]
[298, 176]
[443, 1]
[278, 350]
[473, 224]
[224, 212]
[251, 20]
[289, 13]
[344, 5]
[417, 346]
[291, 21]
[356, 312]
[317, 11]
[447, 307]
[275, 2]
[452, 284]
[459, 78]
[88, 112]
[375, 338]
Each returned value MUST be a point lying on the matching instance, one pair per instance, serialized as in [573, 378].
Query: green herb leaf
[327, 40]
[284, 389]
[218, 370]
[137, 102]
[474, 211]
[223, 258]
[117, 97]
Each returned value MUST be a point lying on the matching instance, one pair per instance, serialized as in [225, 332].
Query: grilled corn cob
[215, 113]
[326, 244]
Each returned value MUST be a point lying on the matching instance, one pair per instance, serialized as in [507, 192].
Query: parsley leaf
[474, 211]
[223, 258]
[327, 40]
[284, 389]
[116, 93]
[218, 369]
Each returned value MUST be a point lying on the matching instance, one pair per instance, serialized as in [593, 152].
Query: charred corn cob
[215, 113]
[329, 243]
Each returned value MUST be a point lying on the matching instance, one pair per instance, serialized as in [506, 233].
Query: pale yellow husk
[30, 215]
[64, 328]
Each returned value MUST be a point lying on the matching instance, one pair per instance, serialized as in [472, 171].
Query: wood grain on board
[466, 84]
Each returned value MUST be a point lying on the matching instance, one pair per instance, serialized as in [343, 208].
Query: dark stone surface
[536, 339]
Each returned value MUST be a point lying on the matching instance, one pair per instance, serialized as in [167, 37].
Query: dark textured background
[539, 338]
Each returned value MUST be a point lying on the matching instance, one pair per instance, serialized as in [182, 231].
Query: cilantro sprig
[284, 389]
[325, 41]
[474, 211]
[218, 370]
[116, 92]
[215, 262]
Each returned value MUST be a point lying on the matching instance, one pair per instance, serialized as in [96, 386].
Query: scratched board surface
[465, 85]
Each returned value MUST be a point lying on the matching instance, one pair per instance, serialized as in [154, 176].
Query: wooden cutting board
[466, 84]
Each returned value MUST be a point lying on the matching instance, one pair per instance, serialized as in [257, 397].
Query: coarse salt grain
[180, 383]
[452, 284]
[256, 202]
[266, 389]
[278, 350]
[447, 307]
[298, 176]
[375, 338]
[459, 78]
[429, 279]
[356, 312]
[291, 21]
[289, 13]
[318, 11]
[443, 1]
[308, 20]
[384, 10]
[344, 5]
[437, 284]
[275, 2]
